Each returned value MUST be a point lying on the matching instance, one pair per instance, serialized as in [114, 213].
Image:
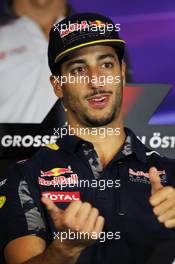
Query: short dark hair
[6, 12]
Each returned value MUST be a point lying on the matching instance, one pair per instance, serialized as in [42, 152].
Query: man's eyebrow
[70, 63]
[81, 61]
[104, 56]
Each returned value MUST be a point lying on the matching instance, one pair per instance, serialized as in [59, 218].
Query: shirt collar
[132, 144]
[138, 148]
[69, 142]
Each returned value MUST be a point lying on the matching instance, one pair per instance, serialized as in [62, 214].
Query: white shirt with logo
[26, 95]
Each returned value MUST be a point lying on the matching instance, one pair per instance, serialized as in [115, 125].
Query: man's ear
[123, 73]
[56, 86]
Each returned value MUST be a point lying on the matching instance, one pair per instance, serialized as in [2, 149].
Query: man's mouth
[98, 101]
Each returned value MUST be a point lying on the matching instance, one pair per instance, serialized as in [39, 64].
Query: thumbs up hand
[155, 180]
[162, 199]
[77, 217]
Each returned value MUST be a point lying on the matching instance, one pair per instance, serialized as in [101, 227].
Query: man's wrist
[66, 249]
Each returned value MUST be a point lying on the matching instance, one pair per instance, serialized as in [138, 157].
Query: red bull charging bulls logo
[56, 172]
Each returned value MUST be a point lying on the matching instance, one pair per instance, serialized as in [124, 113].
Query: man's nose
[95, 78]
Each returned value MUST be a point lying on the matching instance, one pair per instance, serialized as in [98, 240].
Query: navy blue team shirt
[70, 170]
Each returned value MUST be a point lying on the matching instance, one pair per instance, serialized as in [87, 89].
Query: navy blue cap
[81, 30]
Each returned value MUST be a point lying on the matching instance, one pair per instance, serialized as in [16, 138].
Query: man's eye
[78, 70]
[107, 65]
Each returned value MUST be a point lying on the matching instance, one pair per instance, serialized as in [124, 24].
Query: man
[23, 64]
[106, 198]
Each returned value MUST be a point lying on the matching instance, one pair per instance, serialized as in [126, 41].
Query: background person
[23, 65]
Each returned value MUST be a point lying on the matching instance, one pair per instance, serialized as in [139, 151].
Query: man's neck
[109, 146]
[44, 17]
[107, 142]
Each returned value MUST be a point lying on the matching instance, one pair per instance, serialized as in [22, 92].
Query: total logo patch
[2, 201]
[62, 196]
[143, 177]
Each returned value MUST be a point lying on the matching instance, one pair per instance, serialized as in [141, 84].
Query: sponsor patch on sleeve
[53, 146]
[62, 196]
[2, 201]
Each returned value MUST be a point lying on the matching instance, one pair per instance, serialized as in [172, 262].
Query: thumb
[155, 180]
[55, 212]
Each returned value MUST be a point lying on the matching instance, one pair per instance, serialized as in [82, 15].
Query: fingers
[54, 211]
[159, 193]
[164, 207]
[162, 195]
[82, 216]
[99, 224]
[73, 207]
[91, 221]
[170, 214]
[162, 199]
[155, 180]
[78, 217]
[165, 211]
[170, 223]
[70, 213]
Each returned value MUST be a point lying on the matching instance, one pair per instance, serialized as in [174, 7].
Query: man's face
[97, 100]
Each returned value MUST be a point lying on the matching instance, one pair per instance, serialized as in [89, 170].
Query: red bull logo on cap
[97, 23]
[56, 172]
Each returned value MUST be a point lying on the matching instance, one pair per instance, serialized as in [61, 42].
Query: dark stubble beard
[90, 121]
[94, 122]
[40, 4]
[114, 113]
